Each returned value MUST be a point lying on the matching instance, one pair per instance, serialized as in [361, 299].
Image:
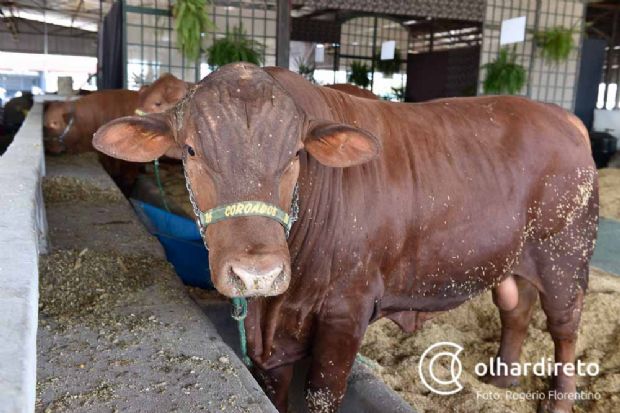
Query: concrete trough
[22, 239]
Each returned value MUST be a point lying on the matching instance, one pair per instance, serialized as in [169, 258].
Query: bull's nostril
[236, 282]
[252, 280]
[279, 280]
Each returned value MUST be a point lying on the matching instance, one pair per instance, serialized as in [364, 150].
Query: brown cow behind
[163, 94]
[70, 125]
[404, 210]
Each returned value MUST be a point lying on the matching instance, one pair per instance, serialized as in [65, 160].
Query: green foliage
[555, 44]
[388, 67]
[399, 93]
[305, 69]
[359, 74]
[236, 46]
[504, 75]
[190, 21]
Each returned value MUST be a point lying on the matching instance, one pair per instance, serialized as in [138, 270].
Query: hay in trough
[67, 188]
[475, 325]
[71, 178]
[78, 285]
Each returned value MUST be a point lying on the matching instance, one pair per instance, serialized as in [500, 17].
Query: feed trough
[182, 242]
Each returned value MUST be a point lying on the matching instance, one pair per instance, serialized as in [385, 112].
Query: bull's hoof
[554, 406]
[503, 382]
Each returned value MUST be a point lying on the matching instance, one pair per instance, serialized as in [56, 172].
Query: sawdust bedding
[476, 326]
[609, 184]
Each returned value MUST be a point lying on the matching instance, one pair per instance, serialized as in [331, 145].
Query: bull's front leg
[275, 383]
[333, 354]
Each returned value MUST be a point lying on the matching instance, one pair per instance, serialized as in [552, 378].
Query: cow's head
[240, 135]
[162, 95]
[56, 119]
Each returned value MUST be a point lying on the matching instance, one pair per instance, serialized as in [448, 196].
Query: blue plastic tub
[182, 242]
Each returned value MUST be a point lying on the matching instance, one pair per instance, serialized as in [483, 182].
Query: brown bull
[69, 127]
[168, 90]
[163, 94]
[404, 210]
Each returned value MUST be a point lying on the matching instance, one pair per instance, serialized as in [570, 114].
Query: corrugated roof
[81, 14]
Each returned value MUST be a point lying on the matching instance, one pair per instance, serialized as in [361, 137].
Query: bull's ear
[137, 138]
[339, 145]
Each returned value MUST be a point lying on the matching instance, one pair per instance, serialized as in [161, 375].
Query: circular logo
[444, 350]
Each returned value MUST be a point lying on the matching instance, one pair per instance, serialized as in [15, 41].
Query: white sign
[513, 31]
[319, 53]
[388, 49]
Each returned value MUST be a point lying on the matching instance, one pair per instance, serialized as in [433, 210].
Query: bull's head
[56, 119]
[240, 135]
[162, 95]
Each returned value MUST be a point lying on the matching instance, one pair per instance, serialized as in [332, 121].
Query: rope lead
[239, 313]
[159, 186]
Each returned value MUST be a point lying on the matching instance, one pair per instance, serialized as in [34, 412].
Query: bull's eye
[157, 103]
[190, 150]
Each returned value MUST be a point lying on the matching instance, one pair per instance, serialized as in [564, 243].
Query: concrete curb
[367, 393]
[23, 232]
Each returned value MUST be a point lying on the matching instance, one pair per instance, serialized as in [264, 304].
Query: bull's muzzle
[253, 275]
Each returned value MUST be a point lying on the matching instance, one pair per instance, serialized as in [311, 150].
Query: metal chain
[65, 132]
[192, 201]
[294, 211]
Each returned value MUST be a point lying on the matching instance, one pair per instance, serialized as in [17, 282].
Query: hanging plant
[504, 75]
[399, 93]
[359, 74]
[236, 46]
[388, 67]
[190, 21]
[306, 69]
[555, 43]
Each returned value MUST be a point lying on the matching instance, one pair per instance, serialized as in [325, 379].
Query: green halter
[245, 209]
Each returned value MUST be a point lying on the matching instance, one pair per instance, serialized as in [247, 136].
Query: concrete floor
[607, 252]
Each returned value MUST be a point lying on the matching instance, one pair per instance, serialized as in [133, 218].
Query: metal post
[283, 34]
[45, 47]
[609, 58]
[530, 68]
[374, 49]
[336, 59]
[431, 43]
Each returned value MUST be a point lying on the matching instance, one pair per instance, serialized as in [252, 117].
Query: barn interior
[106, 297]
